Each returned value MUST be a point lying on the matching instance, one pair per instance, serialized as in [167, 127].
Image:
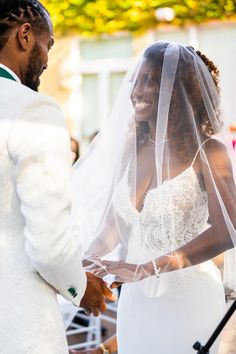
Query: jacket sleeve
[39, 147]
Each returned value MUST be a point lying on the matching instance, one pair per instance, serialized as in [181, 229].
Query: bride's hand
[124, 272]
[91, 263]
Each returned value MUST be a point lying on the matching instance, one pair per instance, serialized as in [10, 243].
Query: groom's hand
[95, 295]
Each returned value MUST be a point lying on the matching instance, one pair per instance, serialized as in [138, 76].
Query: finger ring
[104, 267]
[87, 311]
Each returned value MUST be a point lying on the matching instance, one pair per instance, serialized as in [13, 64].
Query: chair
[91, 327]
[77, 322]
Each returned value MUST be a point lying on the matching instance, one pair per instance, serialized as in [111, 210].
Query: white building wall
[218, 41]
[87, 73]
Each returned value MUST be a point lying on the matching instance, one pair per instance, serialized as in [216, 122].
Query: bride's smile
[145, 93]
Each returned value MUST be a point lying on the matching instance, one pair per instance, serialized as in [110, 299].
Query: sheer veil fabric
[155, 191]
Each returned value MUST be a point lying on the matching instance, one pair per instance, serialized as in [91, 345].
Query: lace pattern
[172, 214]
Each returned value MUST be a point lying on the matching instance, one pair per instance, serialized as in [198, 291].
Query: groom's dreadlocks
[17, 12]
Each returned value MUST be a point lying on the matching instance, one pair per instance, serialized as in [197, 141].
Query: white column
[75, 99]
[193, 37]
[104, 91]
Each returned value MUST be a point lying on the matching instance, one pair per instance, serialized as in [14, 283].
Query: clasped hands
[123, 272]
[93, 301]
[97, 290]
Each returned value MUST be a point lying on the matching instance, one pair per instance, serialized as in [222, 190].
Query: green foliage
[94, 17]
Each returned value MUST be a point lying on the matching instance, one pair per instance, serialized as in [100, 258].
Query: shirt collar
[10, 72]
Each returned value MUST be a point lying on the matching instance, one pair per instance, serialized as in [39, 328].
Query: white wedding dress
[168, 315]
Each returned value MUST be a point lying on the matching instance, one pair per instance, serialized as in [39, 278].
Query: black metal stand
[205, 349]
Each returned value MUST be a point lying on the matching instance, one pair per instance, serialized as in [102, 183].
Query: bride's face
[144, 96]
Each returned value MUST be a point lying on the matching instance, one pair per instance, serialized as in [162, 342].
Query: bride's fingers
[111, 264]
[108, 293]
[91, 263]
[116, 284]
[99, 272]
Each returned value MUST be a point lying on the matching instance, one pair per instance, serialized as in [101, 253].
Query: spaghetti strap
[198, 151]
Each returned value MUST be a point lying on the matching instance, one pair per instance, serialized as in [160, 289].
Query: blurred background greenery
[97, 40]
[88, 17]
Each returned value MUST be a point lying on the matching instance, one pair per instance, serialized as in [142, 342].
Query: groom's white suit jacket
[37, 251]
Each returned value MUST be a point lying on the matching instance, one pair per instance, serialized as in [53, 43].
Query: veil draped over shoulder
[155, 191]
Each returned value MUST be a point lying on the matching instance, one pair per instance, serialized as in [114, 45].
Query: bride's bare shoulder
[217, 154]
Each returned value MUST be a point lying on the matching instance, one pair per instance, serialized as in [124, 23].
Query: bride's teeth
[141, 105]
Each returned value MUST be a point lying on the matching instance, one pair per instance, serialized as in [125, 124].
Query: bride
[155, 201]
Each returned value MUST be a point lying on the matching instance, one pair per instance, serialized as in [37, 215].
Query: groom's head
[26, 35]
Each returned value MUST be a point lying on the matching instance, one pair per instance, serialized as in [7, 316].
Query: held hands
[96, 292]
[91, 262]
[125, 272]
[89, 351]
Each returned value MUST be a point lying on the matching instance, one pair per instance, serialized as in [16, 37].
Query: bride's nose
[137, 91]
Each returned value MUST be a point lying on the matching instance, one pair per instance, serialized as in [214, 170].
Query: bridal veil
[164, 133]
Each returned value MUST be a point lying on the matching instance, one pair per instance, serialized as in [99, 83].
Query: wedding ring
[87, 311]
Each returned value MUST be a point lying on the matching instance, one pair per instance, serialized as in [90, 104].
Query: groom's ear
[25, 37]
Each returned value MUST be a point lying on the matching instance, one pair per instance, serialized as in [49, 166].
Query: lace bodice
[172, 215]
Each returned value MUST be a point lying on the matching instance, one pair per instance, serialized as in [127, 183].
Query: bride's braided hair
[17, 12]
[206, 125]
[214, 71]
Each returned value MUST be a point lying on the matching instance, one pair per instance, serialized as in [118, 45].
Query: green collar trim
[4, 73]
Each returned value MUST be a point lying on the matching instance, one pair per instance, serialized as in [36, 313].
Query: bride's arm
[103, 244]
[221, 190]
[218, 237]
[106, 241]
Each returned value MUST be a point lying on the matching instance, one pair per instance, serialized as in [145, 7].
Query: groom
[38, 253]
